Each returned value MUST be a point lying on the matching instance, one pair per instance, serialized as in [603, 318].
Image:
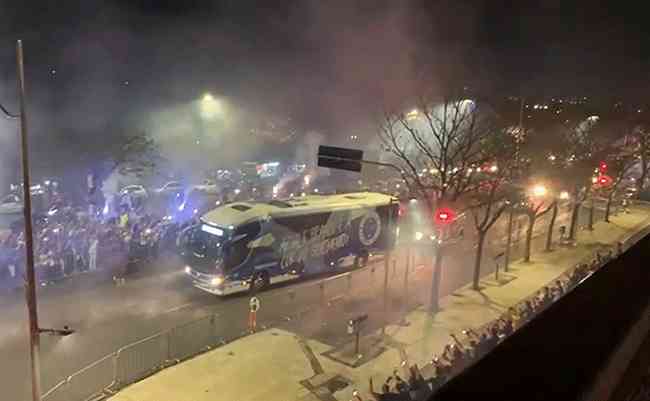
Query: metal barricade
[191, 338]
[56, 393]
[140, 359]
[85, 384]
[92, 379]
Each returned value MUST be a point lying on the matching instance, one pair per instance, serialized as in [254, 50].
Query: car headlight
[188, 270]
[216, 281]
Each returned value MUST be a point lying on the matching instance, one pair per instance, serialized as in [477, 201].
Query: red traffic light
[604, 181]
[602, 167]
[444, 215]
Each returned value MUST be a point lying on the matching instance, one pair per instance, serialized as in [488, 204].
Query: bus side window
[252, 230]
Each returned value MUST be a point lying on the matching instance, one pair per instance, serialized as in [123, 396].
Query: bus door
[240, 254]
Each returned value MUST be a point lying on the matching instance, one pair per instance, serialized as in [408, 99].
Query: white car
[136, 191]
[208, 187]
[11, 204]
[171, 187]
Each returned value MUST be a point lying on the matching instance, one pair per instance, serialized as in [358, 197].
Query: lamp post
[30, 285]
[30, 289]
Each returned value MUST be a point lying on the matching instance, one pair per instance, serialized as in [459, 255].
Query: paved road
[107, 317]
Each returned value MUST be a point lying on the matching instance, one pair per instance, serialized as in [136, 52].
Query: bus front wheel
[259, 282]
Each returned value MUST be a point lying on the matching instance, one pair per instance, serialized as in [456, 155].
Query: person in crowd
[92, 251]
[124, 218]
[440, 374]
[506, 326]
[461, 354]
[418, 387]
[544, 298]
[400, 386]
[386, 393]
[68, 255]
[557, 291]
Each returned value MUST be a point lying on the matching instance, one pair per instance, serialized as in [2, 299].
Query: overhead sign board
[340, 158]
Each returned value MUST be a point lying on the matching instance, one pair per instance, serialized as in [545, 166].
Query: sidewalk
[279, 364]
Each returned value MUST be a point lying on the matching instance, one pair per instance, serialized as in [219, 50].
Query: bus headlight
[217, 281]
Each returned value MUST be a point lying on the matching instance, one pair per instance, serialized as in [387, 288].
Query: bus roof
[235, 214]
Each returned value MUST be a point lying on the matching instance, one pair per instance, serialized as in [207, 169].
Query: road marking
[177, 308]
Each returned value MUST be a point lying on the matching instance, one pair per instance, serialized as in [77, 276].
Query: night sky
[362, 51]
[97, 66]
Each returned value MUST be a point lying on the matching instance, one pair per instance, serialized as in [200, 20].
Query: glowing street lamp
[210, 107]
[539, 190]
[413, 114]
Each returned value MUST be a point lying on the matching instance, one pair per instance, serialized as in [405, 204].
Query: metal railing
[145, 357]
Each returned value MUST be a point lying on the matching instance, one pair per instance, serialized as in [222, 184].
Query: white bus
[246, 246]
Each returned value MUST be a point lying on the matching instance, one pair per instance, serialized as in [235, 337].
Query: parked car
[134, 191]
[171, 187]
[11, 204]
[208, 187]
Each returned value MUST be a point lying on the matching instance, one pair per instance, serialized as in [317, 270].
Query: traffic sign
[340, 158]
[254, 304]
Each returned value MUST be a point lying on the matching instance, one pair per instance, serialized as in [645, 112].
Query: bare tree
[494, 192]
[580, 156]
[436, 144]
[642, 137]
[439, 148]
[136, 154]
[535, 207]
[619, 164]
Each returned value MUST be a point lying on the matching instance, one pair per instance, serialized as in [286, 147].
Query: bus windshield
[205, 241]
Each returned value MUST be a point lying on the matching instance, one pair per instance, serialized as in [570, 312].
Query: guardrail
[143, 358]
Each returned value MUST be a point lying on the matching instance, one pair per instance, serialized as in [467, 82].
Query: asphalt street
[107, 317]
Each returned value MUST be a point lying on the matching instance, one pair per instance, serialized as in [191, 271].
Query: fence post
[349, 283]
[115, 364]
[213, 328]
[169, 336]
[321, 285]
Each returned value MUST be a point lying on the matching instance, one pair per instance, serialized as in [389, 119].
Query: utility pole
[389, 238]
[506, 261]
[520, 135]
[30, 289]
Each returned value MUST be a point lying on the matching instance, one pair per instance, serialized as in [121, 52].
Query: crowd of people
[73, 240]
[462, 351]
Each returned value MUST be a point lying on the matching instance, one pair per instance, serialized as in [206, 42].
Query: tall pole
[437, 275]
[519, 136]
[30, 290]
[389, 238]
[506, 261]
[406, 271]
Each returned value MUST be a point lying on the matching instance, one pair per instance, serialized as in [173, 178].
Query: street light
[210, 107]
[539, 190]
